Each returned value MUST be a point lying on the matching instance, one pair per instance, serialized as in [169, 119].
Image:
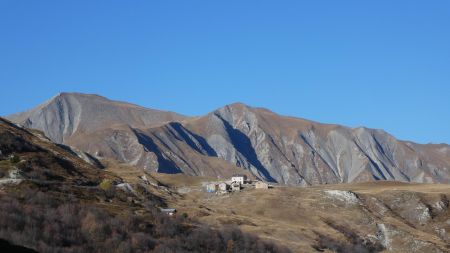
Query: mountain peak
[70, 113]
[78, 95]
[235, 106]
[239, 106]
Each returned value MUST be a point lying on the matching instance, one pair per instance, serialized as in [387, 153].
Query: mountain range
[236, 138]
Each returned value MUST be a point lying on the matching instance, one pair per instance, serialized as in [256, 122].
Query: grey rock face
[272, 147]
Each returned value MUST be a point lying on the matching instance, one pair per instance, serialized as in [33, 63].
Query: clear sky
[382, 64]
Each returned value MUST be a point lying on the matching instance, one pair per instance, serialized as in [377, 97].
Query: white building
[223, 187]
[239, 178]
[213, 187]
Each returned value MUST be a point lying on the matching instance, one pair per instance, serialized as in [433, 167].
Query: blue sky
[381, 64]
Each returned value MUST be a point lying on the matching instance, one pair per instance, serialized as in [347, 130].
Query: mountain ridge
[237, 137]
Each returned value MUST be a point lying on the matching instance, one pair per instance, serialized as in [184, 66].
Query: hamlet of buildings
[237, 183]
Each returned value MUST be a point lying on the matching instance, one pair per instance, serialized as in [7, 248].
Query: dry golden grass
[294, 216]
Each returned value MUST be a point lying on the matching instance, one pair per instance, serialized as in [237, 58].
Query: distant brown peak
[235, 105]
[370, 130]
[239, 106]
[63, 94]
[102, 99]
[364, 129]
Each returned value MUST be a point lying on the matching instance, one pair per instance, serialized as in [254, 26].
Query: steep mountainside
[297, 151]
[272, 147]
[69, 114]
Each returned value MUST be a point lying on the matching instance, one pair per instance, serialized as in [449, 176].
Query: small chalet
[213, 187]
[239, 178]
[223, 187]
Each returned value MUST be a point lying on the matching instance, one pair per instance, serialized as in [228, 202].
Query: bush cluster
[47, 224]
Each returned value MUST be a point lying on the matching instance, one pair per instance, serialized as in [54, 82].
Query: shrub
[106, 184]
[108, 187]
[14, 159]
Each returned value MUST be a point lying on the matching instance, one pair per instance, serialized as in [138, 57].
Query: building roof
[168, 210]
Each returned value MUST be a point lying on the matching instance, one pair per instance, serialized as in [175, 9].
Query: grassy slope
[300, 217]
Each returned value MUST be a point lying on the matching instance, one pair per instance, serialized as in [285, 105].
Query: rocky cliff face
[272, 147]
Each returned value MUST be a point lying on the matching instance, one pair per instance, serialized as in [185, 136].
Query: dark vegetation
[354, 244]
[40, 166]
[18, 150]
[50, 224]
[10, 142]
[15, 159]
[5, 247]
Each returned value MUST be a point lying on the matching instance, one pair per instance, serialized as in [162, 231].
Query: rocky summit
[235, 138]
